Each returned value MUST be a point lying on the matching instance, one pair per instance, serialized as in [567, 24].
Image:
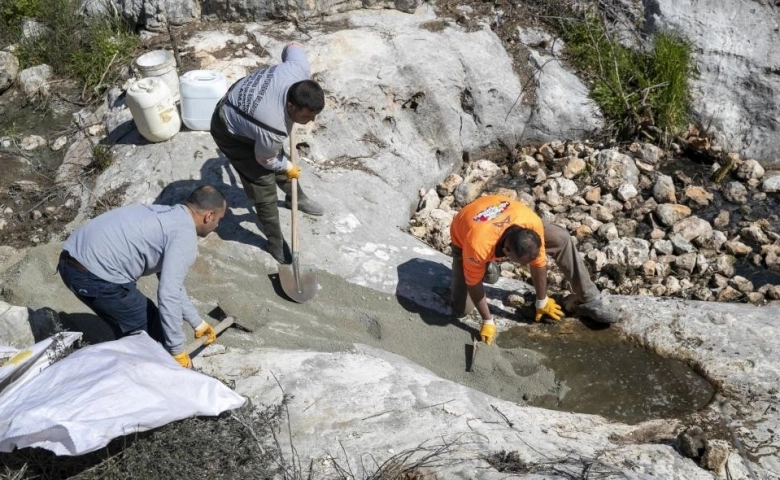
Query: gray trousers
[259, 183]
[558, 245]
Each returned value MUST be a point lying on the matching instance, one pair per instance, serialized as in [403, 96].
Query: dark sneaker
[492, 274]
[306, 205]
[598, 310]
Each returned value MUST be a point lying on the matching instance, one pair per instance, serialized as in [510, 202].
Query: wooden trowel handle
[198, 342]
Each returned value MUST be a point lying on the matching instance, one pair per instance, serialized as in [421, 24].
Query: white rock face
[35, 80]
[738, 89]
[9, 68]
[15, 330]
[394, 121]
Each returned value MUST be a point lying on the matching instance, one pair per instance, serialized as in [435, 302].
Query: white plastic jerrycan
[154, 109]
[200, 91]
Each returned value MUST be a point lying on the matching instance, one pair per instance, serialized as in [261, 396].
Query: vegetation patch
[88, 49]
[573, 468]
[102, 158]
[110, 200]
[643, 92]
[237, 444]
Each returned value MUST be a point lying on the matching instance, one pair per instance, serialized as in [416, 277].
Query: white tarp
[104, 391]
[26, 364]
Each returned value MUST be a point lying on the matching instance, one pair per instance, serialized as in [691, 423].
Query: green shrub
[88, 49]
[12, 11]
[641, 93]
[102, 158]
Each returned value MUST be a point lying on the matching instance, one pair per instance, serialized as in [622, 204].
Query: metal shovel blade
[298, 281]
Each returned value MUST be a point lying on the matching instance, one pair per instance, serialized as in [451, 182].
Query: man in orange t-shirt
[495, 228]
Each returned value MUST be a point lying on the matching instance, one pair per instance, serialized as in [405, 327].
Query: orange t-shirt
[478, 227]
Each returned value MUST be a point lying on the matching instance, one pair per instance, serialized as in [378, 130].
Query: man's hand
[487, 332]
[293, 172]
[205, 329]
[548, 307]
[184, 359]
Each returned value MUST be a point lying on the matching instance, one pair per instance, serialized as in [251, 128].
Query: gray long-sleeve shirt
[122, 245]
[263, 95]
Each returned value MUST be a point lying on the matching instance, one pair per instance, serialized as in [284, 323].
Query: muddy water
[604, 375]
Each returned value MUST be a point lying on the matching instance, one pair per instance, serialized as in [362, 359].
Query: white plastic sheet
[104, 391]
[29, 362]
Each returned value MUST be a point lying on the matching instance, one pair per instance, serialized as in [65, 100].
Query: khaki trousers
[558, 245]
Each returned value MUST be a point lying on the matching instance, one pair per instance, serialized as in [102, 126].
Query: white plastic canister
[160, 63]
[151, 103]
[200, 92]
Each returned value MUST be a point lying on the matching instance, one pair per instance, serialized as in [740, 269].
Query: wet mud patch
[33, 210]
[604, 375]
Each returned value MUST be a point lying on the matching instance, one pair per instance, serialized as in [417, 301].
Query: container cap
[203, 76]
[149, 91]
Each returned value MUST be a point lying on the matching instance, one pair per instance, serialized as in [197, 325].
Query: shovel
[298, 281]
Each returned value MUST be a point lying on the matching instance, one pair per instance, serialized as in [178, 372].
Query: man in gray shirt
[250, 125]
[102, 260]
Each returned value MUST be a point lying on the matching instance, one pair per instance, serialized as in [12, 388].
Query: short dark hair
[307, 94]
[523, 242]
[206, 197]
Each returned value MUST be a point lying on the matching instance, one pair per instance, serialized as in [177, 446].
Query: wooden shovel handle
[198, 342]
[294, 193]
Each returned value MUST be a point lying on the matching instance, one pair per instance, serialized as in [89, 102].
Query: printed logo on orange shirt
[491, 212]
[474, 261]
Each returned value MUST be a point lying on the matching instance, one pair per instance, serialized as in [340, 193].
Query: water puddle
[601, 374]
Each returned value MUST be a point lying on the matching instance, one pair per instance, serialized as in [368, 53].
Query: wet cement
[563, 367]
[604, 375]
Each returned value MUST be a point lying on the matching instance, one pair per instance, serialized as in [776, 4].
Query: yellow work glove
[548, 307]
[487, 332]
[205, 329]
[184, 359]
[293, 172]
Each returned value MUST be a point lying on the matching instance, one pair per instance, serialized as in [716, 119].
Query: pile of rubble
[642, 232]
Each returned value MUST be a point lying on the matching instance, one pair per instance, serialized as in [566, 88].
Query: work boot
[598, 310]
[305, 204]
[492, 273]
[268, 216]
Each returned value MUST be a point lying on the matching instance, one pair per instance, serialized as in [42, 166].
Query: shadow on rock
[212, 174]
[94, 329]
[419, 290]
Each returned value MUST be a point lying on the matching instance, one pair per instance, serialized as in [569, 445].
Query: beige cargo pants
[558, 245]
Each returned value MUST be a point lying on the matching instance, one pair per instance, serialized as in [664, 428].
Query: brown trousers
[558, 245]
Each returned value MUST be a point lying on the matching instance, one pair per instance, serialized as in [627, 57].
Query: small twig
[294, 458]
[511, 425]
[312, 404]
[97, 199]
[174, 45]
[377, 414]
[251, 432]
[46, 199]
[105, 72]
[437, 404]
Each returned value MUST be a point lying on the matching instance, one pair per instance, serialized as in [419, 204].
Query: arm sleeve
[294, 54]
[541, 260]
[277, 162]
[173, 303]
[473, 267]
